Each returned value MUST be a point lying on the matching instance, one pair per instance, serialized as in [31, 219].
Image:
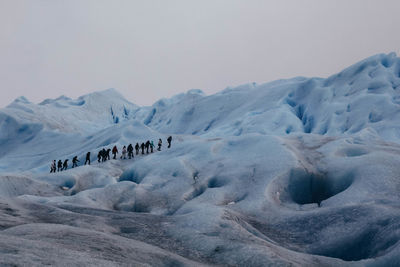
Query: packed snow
[297, 172]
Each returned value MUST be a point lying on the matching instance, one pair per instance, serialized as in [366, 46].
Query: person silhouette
[87, 161]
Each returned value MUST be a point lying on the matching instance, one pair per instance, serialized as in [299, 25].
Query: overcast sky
[152, 49]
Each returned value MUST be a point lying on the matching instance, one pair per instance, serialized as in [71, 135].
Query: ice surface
[298, 172]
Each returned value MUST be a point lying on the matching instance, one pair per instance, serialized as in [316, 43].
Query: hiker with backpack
[75, 162]
[151, 146]
[99, 156]
[65, 165]
[147, 145]
[104, 155]
[59, 165]
[159, 144]
[130, 151]
[115, 152]
[137, 148]
[142, 147]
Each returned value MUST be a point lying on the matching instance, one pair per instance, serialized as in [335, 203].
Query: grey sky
[151, 49]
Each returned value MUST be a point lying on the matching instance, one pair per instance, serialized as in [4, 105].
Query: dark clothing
[137, 148]
[169, 141]
[59, 165]
[104, 154]
[108, 154]
[75, 162]
[159, 144]
[142, 147]
[87, 158]
[115, 152]
[130, 151]
[99, 156]
[147, 146]
[65, 165]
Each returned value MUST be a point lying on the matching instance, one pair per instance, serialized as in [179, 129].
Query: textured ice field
[294, 172]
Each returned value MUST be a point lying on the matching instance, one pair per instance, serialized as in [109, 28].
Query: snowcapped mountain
[86, 114]
[301, 171]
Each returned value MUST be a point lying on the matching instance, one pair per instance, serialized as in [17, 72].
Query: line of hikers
[104, 154]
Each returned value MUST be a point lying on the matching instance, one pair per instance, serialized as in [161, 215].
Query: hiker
[115, 152]
[65, 165]
[142, 147]
[169, 141]
[130, 151]
[104, 154]
[151, 146]
[137, 148]
[87, 158]
[75, 162]
[53, 166]
[108, 153]
[59, 165]
[159, 144]
[99, 156]
[123, 153]
[147, 146]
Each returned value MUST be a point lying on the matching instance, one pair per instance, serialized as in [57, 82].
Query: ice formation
[303, 171]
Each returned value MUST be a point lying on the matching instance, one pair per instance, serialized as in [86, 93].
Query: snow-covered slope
[62, 127]
[297, 172]
[342, 104]
[86, 114]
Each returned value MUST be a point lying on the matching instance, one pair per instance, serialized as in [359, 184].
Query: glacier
[295, 172]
